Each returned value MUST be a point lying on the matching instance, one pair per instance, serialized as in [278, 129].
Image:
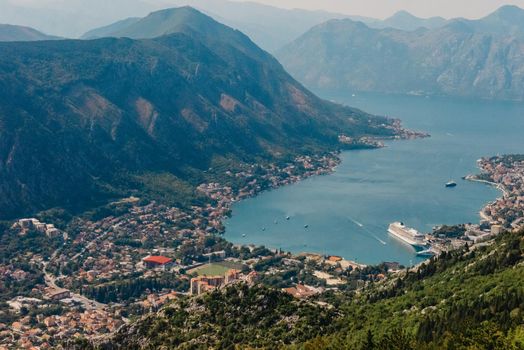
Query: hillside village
[105, 271]
[507, 174]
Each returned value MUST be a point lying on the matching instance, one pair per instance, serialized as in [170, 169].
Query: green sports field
[215, 269]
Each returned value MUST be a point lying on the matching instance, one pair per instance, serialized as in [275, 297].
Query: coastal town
[101, 272]
[98, 272]
[507, 174]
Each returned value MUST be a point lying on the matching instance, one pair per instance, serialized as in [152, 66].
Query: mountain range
[404, 20]
[270, 27]
[82, 121]
[472, 58]
[10, 32]
[71, 18]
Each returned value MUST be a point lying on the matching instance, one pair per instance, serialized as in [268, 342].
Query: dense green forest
[152, 117]
[467, 299]
[471, 299]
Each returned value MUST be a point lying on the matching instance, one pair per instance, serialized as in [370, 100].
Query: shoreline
[483, 213]
[403, 135]
[505, 173]
[363, 143]
[500, 187]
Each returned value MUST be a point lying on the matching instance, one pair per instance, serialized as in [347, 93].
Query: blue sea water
[348, 212]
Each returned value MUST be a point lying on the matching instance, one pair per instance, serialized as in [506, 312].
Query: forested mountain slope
[85, 121]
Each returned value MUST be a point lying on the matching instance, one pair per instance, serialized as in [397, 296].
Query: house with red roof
[153, 262]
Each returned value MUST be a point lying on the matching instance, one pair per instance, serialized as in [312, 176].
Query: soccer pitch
[216, 269]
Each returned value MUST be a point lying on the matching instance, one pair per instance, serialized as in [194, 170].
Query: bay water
[347, 213]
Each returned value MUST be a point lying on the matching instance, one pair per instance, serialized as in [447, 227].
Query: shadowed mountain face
[18, 33]
[77, 117]
[483, 58]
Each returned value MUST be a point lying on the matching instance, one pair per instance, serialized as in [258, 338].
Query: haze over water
[349, 211]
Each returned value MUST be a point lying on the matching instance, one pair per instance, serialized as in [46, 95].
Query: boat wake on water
[375, 236]
[368, 231]
[356, 222]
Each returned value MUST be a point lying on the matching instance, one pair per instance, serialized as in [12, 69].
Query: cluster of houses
[52, 293]
[301, 291]
[35, 225]
[42, 331]
[154, 301]
[508, 174]
[204, 284]
[201, 284]
[117, 246]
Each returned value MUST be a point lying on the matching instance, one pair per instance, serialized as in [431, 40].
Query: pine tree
[369, 344]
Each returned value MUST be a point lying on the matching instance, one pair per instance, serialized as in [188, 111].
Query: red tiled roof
[334, 258]
[160, 260]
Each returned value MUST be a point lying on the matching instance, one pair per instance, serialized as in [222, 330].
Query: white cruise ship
[406, 234]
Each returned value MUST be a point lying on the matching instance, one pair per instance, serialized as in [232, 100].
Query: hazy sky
[384, 8]
[371, 8]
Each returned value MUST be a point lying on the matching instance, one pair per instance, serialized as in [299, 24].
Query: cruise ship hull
[405, 239]
[407, 235]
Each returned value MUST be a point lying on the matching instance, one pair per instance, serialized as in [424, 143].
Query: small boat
[451, 184]
[306, 226]
[288, 217]
[244, 235]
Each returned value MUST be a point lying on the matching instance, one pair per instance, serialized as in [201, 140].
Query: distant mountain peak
[168, 21]
[156, 23]
[188, 21]
[405, 20]
[510, 9]
[403, 14]
[188, 10]
[10, 32]
[508, 13]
